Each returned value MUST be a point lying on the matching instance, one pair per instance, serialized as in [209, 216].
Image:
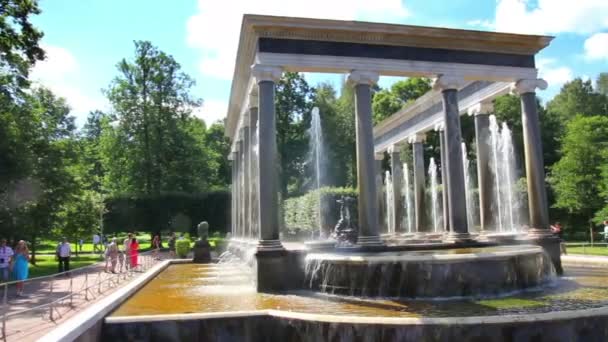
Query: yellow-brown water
[191, 288]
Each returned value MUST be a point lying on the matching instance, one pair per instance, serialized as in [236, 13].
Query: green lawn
[588, 250]
[46, 265]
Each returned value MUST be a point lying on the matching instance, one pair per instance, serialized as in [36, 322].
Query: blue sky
[85, 39]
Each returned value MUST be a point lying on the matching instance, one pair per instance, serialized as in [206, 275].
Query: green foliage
[577, 97]
[293, 103]
[577, 177]
[157, 145]
[304, 213]
[387, 102]
[19, 48]
[602, 83]
[182, 247]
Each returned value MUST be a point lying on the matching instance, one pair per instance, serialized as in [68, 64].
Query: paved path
[48, 301]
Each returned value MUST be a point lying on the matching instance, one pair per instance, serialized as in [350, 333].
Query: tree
[387, 102]
[577, 97]
[157, 145]
[577, 177]
[19, 48]
[293, 103]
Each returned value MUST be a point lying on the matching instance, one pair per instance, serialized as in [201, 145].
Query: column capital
[394, 148]
[447, 82]
[528, 85]
[439, 126]
[263, 73]
[379, 156]
[481, 108]
[417, 138]
[252, 101]
[357, 77]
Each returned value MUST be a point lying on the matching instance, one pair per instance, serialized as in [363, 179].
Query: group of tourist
[125, 258]
[16, 262]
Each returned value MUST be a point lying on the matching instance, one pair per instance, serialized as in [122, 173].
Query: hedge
[182, 247]
[302, 213]
[168, 212]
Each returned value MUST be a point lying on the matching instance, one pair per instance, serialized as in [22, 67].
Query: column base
[369, 241]
[270, 246]
[271, 269]
[454, 237]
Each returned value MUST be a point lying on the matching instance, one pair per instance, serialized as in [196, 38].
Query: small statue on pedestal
[202, 249]
[345, 231]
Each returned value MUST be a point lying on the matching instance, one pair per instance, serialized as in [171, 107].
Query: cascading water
[434, 195]
[317, 158]
[390, 208]
[507, 203]
[468, 188]
[408, 197]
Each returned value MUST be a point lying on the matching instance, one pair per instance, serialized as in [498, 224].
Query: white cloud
[553, 74]
[596, 46]
[215, 29]
[60, 72]
[551, 16]
[211, 111]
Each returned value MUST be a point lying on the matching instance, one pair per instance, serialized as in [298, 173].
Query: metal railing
[50, 297]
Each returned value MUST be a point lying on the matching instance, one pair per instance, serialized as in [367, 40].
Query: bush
[304, 214]
[182, 247]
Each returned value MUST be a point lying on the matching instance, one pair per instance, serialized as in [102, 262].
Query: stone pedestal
[551, 246]
[202, 252]
[271, 271]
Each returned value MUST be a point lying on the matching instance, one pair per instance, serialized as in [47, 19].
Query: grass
[588, 250]
[47, 265]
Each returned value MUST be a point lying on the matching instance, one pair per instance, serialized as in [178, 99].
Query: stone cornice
[256, 26]
[528, 86]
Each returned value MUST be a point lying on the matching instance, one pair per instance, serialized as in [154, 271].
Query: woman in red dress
[134, 249]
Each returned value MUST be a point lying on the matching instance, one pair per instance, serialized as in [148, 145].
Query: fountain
[390, 206]
[507, 202]
[317, 159]
[468, 188]
[436, 217]
[408, 198]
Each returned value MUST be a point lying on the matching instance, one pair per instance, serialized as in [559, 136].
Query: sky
[85, 39]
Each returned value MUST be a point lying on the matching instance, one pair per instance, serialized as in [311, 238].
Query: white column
[449, 85]
[533, 149]
[268, 201]
[368, 211]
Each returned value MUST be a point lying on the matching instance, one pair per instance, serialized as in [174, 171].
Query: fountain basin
[464, 272]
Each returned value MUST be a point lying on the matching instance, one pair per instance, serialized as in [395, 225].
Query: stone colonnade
[255, 178]
[454, 200]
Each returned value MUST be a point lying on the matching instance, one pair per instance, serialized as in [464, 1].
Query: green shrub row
[304, 213]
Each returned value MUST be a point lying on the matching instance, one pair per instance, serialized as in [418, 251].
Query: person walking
[155, 246]
[558, 230]
[172, 245]
[6, 256]
[134, 249]
[20, 265]
[127, 249]
[64, 251]
[112, 253]
[96, 242]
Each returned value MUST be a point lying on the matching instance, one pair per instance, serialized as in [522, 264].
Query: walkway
[51, 300]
